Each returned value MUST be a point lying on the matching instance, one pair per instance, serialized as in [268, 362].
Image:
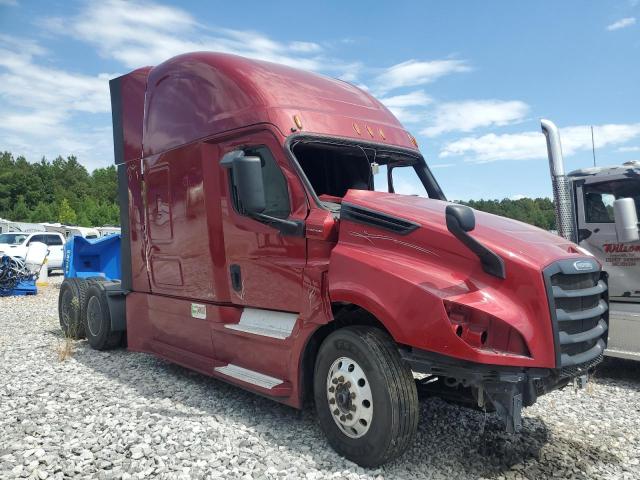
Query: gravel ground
[127, 415]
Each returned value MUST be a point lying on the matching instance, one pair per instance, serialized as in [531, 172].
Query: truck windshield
[333, 168]
[13, 238]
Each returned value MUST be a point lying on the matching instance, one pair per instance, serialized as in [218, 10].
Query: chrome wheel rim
[349, 397]
[94, 316]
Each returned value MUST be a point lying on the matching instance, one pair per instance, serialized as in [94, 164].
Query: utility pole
[593, 147]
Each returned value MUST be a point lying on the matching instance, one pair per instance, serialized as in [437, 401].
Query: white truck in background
[597, 208]
[16, 245]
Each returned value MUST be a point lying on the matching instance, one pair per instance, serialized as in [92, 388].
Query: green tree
[44, 212]
[21, 211]
[66, 214]
[539, 212]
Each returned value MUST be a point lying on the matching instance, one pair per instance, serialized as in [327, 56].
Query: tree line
[63, 191]
[539, 211]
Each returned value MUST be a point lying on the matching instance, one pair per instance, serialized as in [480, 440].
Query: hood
[511, 239]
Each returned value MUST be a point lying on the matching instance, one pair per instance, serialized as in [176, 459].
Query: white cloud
[408, 107]
[468, 115]
[412, 99]
[493, 147]
[146, 33]
[305, 47]
[517, 196]
[350, 72]
[629, 149]
[414, 72]
[39, 104]
[25, 83]
[622, 23]
[9, 3]
[531, 145]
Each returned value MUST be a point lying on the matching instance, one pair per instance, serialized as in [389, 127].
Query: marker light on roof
[369, 130]
[297, 121]
[357, 128]
[382, 134]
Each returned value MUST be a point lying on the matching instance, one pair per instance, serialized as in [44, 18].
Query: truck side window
[404, 181]
[38, 238]
[599, 198]
[54, 240]
[275, 185]
[598, 207]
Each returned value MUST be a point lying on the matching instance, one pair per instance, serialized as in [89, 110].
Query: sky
[470, 80]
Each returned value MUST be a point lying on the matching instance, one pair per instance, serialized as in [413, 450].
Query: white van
[15, 244]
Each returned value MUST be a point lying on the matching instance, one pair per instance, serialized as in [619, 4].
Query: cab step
[266, 323]
[252, 377]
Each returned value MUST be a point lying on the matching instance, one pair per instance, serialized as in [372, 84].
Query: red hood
[511, 239]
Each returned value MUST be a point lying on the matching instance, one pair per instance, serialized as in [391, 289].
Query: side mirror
[461, 220]
[462, 215]
[247, 180]
[626, 217]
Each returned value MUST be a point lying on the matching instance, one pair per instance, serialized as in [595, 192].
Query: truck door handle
[236, 277]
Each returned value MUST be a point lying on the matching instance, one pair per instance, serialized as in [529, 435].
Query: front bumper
[507, 389]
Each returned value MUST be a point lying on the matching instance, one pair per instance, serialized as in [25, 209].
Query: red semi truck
[255, 249]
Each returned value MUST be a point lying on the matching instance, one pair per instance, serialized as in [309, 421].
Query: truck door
[55, 244]
[264, 266]
[597, 232]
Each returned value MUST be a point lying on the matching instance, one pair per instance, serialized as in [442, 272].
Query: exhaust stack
[562, 197]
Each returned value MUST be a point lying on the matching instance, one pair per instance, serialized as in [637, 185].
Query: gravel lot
[127, 415]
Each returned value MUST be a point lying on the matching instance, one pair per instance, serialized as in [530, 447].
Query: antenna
[593, 147]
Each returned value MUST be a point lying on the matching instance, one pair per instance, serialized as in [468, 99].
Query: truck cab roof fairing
[198, 95]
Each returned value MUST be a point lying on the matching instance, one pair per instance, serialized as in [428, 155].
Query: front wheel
[365, 395]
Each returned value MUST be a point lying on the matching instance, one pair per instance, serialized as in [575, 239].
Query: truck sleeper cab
[256, 249]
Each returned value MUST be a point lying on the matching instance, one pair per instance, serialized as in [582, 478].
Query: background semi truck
[585, 202]
[254, 249]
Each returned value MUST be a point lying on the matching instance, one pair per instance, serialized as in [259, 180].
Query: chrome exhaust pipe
[562, 195]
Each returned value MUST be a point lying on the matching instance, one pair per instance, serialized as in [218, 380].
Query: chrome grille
[579, 310]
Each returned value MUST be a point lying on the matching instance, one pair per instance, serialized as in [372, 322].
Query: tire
[71, 301]
[383, 405]
[98, 320]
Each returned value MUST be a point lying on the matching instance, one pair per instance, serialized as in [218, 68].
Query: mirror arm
[293, 228]
[491, 262]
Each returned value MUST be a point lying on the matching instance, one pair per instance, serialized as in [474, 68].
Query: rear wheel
[98, 320]
[365, 396]
[71, 302]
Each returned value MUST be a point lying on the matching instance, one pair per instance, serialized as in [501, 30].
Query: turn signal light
[483, 331]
